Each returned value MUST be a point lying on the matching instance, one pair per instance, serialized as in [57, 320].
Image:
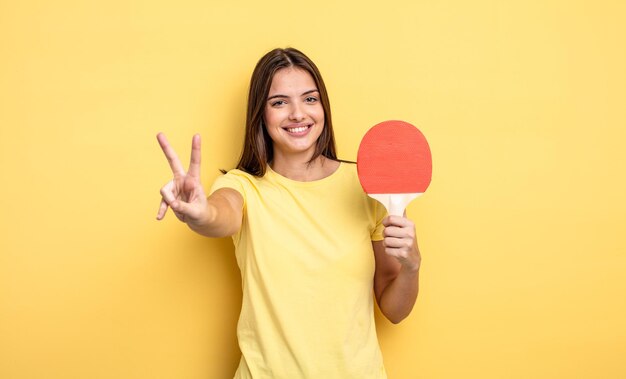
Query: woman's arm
[398, 260]
[224, 214]
[217, 216]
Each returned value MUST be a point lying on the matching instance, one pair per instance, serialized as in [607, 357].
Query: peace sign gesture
[184, 193]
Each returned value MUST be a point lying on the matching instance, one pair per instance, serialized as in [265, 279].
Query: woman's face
[294, 116]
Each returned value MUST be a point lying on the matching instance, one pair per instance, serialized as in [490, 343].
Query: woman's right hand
[184, 193]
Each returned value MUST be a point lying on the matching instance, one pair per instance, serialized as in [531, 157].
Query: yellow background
[521, 231]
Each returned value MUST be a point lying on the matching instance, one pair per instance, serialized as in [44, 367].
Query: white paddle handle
[395, 203]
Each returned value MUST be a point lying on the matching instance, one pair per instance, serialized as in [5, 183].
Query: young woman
[312, 247]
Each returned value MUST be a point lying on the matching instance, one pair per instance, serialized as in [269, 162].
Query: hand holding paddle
[394, 164]
[184, 193]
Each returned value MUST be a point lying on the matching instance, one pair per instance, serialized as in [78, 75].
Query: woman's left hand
[400, 242]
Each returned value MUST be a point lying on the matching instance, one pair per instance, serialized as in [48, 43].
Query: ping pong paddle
[394, 164]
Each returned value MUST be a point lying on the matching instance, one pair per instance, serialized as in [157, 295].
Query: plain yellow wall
[521, 231]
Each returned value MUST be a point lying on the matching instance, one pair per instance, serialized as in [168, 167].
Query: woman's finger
[394, 252]
[167, 193]
[183, 208]
[162, 210]
[194, 164]
[178, 206]
[398, 243]
[393, 231]
[170, 154]
[397, 221]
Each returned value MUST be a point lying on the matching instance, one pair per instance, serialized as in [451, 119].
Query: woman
[311, 245]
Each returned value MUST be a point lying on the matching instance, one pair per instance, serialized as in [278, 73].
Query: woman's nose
[296, 112]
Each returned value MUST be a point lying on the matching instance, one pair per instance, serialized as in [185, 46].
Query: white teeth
[297, 130]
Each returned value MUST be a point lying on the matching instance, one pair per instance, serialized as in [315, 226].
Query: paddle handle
[395, 203]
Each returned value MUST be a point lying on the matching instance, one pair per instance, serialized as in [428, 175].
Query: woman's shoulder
[237, 172]
[236, 179]
[240, 176]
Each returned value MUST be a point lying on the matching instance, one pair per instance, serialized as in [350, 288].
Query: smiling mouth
[298, 129]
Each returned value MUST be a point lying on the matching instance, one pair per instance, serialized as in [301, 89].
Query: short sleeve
[229, 180]
[380, 212]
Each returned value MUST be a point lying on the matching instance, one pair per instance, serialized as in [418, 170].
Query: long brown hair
[258, 150]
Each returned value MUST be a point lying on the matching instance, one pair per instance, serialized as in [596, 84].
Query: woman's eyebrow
[286, 97]
[275, 96]
[309, 91]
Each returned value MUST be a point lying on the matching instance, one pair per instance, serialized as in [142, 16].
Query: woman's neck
[303, 171]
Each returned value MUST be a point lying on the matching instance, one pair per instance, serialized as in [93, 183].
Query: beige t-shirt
[307, 267]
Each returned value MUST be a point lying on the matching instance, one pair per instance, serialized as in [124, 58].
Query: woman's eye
[311, 99]
[278, 103]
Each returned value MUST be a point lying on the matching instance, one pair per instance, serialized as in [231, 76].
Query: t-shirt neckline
[273, 174]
